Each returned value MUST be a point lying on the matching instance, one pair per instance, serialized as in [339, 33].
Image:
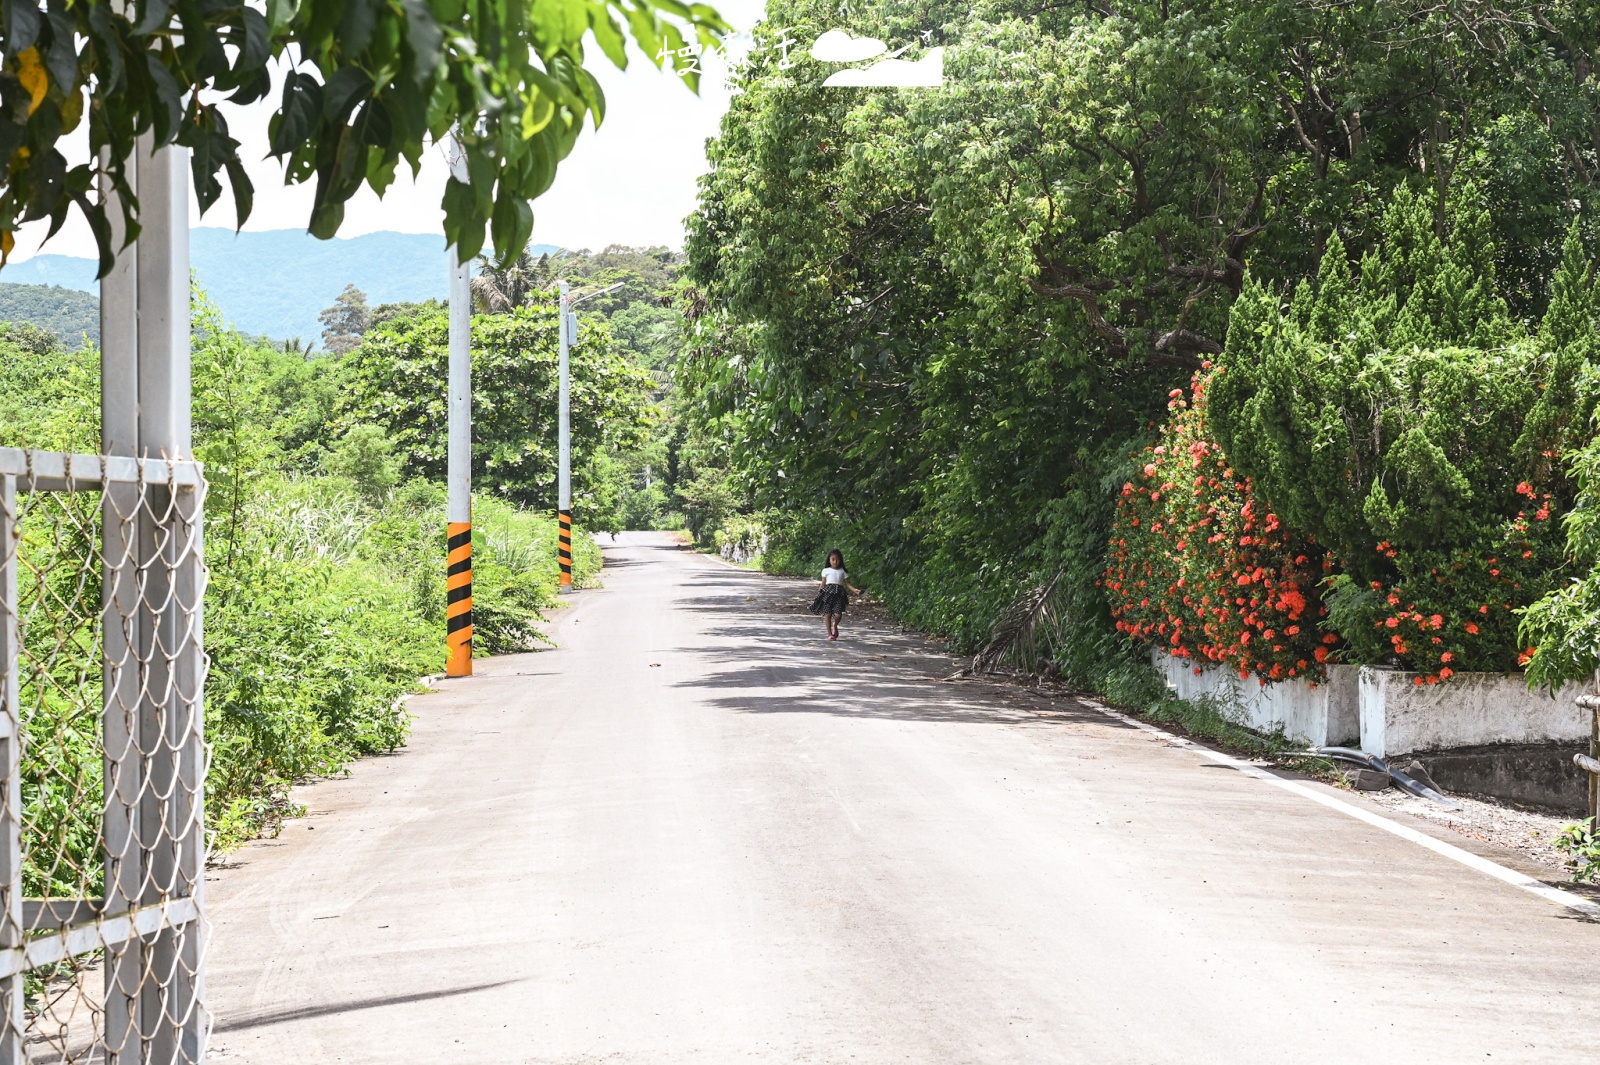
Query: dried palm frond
[1025, 636]
[497, 291]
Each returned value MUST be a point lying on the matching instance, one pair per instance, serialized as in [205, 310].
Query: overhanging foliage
[369, 83]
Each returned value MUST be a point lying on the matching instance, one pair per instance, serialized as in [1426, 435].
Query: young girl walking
[832, 599]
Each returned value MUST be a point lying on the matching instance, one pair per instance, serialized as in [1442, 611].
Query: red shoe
[833, 636]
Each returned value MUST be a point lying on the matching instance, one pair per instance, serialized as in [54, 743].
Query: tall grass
[327, 609]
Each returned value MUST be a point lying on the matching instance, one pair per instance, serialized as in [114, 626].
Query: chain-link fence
[102, 845]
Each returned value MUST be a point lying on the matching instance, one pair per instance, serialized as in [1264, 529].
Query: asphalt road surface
[696, 831]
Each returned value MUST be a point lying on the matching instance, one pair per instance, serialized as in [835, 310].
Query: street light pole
[458, 518]
[458, 461]
[564, 447]
[568, 328]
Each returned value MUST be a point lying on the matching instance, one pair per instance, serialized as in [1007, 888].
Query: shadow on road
[771, 657]
[301, 1013]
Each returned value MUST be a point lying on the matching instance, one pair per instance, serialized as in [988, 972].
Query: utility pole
[458, 518]
[568, 329]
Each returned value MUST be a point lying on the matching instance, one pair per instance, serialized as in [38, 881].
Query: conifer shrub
[1404, 421]
[1563, 627]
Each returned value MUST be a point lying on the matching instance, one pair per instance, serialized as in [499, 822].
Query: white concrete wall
[1398, 716]
[1327, 715]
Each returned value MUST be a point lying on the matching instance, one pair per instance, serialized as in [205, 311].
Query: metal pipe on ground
[1404, 780]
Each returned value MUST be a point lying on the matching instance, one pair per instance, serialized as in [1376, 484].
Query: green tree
[72, 315]
[395, 380]
[1564, 626]
[932, 326]
[388, 312]
[344, 324]
[49, 396]
[365, 456]
[649, 332]
[496, 291]
[1402, 420]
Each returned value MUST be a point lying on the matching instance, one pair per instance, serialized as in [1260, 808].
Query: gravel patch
[1526, 831]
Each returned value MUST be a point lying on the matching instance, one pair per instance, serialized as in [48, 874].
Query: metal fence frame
[150, 922]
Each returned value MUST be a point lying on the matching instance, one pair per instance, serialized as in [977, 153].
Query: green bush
[365, 456]
[1564, 626]
[741, 539]
[326, 606]
[708, 501]
[1409, 426]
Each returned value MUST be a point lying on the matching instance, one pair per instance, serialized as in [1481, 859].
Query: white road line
[1421, 839]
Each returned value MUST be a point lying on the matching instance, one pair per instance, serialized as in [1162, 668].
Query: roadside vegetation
[325, 535]
[1260, 333]
[627, 433]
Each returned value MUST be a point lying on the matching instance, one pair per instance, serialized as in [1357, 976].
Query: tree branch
[1091, 309]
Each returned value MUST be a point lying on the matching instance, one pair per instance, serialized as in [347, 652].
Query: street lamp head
[592, 295]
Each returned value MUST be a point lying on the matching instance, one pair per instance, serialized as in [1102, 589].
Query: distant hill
[275, 282]
[66, 312]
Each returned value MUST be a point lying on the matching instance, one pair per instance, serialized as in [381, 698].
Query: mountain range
[275, 282]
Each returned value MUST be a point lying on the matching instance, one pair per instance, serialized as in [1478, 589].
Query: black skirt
[831, 600]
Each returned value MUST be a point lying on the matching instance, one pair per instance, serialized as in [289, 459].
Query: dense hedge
[1390, 441]
[1410, 426]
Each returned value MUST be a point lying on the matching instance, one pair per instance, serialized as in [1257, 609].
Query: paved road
[697, 832]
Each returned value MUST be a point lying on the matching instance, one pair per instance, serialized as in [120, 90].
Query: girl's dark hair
[840, 553]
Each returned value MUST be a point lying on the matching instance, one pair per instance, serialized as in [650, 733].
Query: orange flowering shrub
[1201, 569]
[1446, 611]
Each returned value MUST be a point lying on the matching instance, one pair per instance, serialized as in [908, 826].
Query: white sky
[632, 182]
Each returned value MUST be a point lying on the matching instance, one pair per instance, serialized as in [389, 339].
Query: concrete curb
[428, 683]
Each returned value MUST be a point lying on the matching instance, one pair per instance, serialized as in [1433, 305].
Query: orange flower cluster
[1463, 608]
[1199, 569]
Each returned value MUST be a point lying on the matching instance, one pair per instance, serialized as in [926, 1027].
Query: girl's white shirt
[834, 576]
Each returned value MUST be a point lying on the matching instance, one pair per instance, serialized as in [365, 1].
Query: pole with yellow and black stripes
[567, 328]
[458, 559]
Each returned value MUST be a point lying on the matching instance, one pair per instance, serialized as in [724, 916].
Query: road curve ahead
[696, 831]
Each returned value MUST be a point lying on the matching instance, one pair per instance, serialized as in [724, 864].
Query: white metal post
[460, 445]
[566, 327]
[170, 718]
[163, 299]
[564, 393]
[120, 622]
[458, 579]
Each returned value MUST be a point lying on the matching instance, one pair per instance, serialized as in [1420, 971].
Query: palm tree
[497, 291]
